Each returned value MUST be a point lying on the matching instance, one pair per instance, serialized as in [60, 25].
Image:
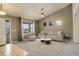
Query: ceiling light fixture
[42, 14]
[1, 10]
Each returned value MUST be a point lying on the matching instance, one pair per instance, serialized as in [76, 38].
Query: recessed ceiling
[32, 10]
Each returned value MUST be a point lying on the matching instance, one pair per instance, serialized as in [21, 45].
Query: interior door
[2, 31]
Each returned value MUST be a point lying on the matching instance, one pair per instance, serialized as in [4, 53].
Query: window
[27, 27]
[30, 26]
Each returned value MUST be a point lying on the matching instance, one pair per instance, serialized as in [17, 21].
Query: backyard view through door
[8, 34]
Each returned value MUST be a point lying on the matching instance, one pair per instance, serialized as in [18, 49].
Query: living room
[39, 29]
[57, 22]
[52, 31]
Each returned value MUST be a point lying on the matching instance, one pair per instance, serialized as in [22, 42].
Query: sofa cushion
[57, 33]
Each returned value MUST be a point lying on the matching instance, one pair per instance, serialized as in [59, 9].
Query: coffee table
[46, 40]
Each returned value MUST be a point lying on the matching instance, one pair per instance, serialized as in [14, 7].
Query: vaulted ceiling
[32, 10]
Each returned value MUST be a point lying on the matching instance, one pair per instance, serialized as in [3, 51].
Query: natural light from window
[27, 27]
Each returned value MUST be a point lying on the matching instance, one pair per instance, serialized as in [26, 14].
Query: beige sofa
[54, 35]
[29, 37]
[32, 37]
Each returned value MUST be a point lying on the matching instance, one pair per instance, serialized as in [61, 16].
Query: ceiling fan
[42, 12]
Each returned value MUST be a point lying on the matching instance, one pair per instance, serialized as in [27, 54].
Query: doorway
[8, 31]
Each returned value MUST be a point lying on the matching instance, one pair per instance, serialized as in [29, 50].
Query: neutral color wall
[64, 14]
[76, 29]
[15, 27]
[2, 32]
[36, 28]
[75, 24]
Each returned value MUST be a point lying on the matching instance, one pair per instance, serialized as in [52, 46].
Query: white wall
[2, 31]
[75, 24]
[76, 29]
